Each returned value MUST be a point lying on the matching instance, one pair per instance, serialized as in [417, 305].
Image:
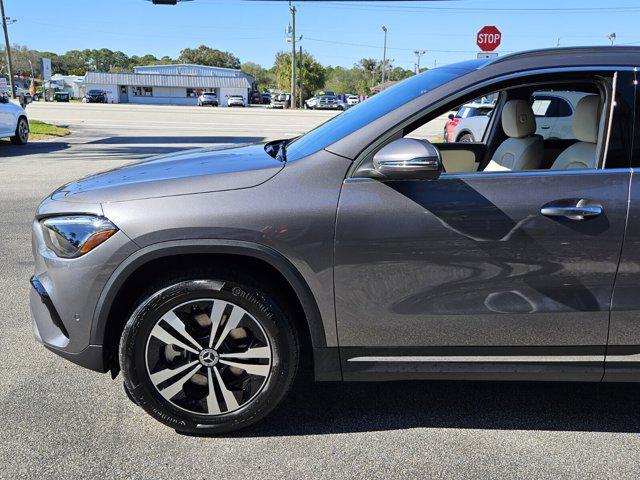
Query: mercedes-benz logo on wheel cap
[208, 357]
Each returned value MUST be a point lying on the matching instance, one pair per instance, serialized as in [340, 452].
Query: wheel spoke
[159, 377]
[212, 400]
[173, 389]
[164, 336]
[173, 320]
[216, 317]
[258, 352]
[229, 397]
[232, 322]
[252, 369]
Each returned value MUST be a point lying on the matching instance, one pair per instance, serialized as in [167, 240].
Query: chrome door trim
[481, 358]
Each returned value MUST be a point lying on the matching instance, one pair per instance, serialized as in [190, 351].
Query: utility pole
[300, 76]
[8, 50]
[418, 53]
[384, 57]
[292, 8]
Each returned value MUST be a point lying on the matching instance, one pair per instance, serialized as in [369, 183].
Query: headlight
[73, 236]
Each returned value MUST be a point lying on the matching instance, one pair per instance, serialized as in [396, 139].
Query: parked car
[325, 102]
[208, 98]
[95, 96]
[353, 100]
[61, 96]
[266, 98]
[256, 98]
[13, 122]
[313, 102]
[469, 123]
[235, 101]
[210, 278]
[280, 101]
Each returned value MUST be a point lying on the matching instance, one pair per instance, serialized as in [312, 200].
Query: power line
[396, 7]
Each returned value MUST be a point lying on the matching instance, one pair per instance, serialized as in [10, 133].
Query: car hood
[192, 171]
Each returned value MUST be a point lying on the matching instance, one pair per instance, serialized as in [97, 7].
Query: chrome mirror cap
[408, 159]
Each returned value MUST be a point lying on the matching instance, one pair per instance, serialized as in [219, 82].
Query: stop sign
[488, 38]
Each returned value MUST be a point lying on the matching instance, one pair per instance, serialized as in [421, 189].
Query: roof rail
[564, 50]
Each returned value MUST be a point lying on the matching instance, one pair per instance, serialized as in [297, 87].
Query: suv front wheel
[208, 354]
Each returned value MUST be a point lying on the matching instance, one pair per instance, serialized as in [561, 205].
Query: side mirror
[4, 99]
[451, 116]
[408, 159]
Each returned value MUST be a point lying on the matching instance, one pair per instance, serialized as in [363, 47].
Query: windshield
[366, 112]
[95, 92]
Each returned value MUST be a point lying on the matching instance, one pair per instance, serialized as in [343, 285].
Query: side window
[466, 123]
[543, 107]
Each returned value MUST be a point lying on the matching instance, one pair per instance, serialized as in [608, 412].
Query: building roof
[153, 80]
[188, 67]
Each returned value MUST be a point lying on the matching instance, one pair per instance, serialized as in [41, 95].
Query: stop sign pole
[488, 39]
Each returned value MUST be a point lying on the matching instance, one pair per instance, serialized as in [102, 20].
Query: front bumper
[65, 293]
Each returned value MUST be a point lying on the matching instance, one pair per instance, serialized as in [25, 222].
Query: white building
[171, 84]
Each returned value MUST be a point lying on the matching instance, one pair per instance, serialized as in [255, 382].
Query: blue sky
[336, 33]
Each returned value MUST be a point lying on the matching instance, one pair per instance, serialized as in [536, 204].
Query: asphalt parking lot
[59, 420]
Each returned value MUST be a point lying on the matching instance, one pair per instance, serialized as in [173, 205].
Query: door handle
[545, 127]
[573, 209]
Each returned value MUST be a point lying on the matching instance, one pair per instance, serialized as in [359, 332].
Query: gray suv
[211, 278]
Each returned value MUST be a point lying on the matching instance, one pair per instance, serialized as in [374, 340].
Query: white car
[353, 100]
[553, 112]
[208, 98]
[235, 101]
[13, 122]
[469, 123]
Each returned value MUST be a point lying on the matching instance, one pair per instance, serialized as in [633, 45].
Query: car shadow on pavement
[8, 149]
[326, 408]
[166, 140]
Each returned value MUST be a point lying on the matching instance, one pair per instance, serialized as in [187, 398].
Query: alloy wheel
[208, 356]
[23, 130]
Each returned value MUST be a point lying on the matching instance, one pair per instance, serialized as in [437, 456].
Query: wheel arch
[464, 131]
[106, 325]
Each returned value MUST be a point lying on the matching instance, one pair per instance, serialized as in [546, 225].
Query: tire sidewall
[17, 139]
[284, 350]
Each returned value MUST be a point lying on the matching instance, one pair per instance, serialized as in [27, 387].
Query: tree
[347, 80]
[371, 67]
[264, 78]
[313, 74]
[204, 55]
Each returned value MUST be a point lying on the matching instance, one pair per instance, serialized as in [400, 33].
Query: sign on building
[46, 68]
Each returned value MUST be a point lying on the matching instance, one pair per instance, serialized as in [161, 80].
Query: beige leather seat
[583, 154]
[523, 150]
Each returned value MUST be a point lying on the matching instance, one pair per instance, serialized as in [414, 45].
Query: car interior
[513, 141]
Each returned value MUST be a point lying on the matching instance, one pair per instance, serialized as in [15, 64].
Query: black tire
[171, 294]
[22, 132]
[466, 138]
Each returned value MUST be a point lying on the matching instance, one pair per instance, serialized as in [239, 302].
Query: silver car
[208, 98]
[211, 278]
